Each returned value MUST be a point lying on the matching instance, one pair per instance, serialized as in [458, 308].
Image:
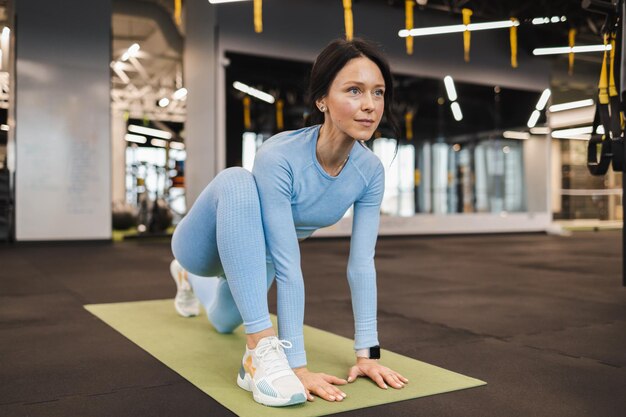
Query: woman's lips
[365, 122]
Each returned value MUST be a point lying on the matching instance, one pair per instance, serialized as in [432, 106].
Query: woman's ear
[321, 105]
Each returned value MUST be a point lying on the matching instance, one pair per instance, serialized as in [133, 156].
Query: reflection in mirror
[464, 155]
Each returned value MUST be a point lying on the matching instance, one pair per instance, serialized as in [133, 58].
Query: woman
[302, 180]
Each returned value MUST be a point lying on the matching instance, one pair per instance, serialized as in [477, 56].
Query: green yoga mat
[210, 360]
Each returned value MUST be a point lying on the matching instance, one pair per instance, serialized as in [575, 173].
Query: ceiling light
[438, 30]
[4, 127]
[164, 102]
[177, 145]
[159, 143]
[567, 49]
[509, 134]
[180, 94]
[540, 130]
[224, 1]
[254, 92]
[6, 32]
[543, 99]
[574, 133]
[533, 118]
[456, 111]
[571, 105]
[150, 132]
[131, 52]
[449, 82]
[135, 138]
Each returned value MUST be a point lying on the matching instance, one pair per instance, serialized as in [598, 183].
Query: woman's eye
[379, 93]
[353, 90]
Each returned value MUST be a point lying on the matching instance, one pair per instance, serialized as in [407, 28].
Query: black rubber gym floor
[541, 318]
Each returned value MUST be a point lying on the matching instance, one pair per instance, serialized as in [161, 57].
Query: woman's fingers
[379, 380]
[394, 381]
[331, 379]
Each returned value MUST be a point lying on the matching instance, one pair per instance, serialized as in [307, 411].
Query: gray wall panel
[62, 120]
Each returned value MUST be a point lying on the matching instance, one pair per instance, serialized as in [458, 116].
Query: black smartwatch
[369, 353]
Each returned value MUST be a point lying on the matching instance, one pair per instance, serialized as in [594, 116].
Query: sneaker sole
[174, 273]
[247, 384]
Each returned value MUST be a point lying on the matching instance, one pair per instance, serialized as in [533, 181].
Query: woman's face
[355, 101]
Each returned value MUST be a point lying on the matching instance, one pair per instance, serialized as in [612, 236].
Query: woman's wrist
[300, 370]
[360, 359]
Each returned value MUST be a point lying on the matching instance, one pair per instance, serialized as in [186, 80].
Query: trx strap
[601, 166]
[608, 113]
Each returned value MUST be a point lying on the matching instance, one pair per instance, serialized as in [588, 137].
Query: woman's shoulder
[367, 161]
[285, 148]
[289, 138]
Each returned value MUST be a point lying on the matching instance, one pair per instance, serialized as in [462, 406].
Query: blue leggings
[222, 235]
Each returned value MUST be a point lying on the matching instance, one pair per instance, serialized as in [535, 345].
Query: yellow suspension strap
[408, 121]
[178, 11]
[613, 95]
[347, 17]
[594, 165]
[513, 39]
[466, 35]
[280, 121]
[572, 42]
[409, 4]
[617, 142]
[246, 113]
[258, 16]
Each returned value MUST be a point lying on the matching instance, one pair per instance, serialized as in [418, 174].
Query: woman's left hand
[378, 373]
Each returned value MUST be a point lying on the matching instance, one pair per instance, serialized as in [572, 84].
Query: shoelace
[273, 356]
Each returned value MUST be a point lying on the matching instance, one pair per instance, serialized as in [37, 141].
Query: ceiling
[156, 72]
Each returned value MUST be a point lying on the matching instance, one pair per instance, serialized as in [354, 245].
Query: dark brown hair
[332, 59]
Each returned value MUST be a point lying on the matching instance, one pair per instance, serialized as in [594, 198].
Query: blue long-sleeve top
[298, 197]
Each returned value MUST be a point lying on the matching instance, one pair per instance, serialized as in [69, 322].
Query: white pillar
[200, 79]
[62, 120]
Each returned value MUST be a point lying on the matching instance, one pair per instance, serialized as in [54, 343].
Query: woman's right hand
[320, 384]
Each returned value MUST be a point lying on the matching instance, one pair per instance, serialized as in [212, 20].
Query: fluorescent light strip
[180, 94]
[159, 143]
[509, 134]
[254, 92]
[571, 105]
[131, 52]
[532, 121]
[544, 20]
[177, 145]
[439, 30]
[164, 102]
[575, 132]
[150, 132]
[135, 138]
[224, 1]
[449, 83]
[543, 100]
[567, 49]
[456, 111]
[540, 131]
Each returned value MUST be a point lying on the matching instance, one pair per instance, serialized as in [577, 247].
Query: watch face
[375, 352]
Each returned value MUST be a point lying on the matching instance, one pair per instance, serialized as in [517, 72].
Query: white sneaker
[185, 302]
[266, 372]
